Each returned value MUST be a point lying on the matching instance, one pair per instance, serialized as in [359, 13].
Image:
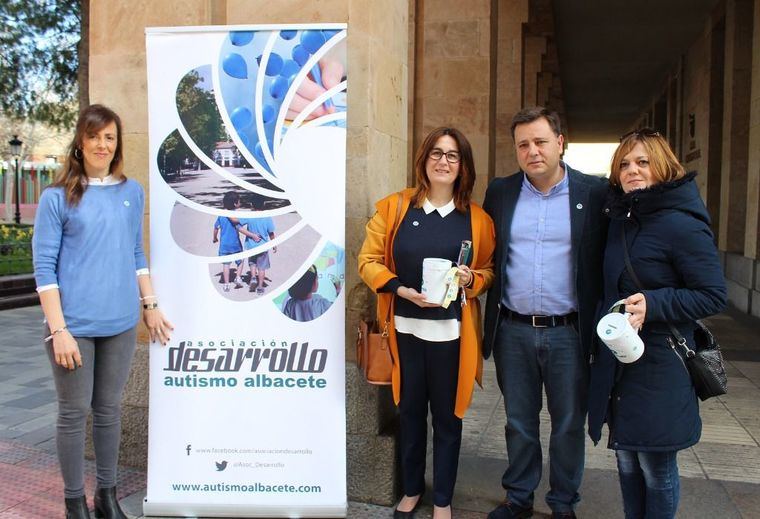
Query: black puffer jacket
[650, 405]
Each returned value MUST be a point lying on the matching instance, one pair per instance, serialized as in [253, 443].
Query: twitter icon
[221, 465]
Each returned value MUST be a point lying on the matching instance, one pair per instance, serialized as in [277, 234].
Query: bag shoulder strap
[394, 229]
[399, 203]
[629, 267]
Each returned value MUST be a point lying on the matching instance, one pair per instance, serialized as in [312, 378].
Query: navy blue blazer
[588, 228]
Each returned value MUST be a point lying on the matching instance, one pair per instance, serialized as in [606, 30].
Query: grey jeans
[99, 385]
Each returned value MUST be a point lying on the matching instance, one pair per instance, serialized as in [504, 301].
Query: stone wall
[720, 75]
[453, 83]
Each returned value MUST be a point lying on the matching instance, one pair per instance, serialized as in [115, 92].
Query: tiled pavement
[720, 475]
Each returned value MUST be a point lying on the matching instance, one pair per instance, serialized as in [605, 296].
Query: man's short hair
[528, 115]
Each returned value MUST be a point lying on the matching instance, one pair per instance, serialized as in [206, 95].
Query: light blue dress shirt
[539, 270]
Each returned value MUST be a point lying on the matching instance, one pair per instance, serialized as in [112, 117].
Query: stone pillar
[738, 64]
[453, 84]
[752, 222]
[509, 84]
[736, 119]
[533, 52]
[378, 45]
[378, 145]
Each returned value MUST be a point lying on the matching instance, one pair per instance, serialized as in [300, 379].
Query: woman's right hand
[415, 297]
[66, 351]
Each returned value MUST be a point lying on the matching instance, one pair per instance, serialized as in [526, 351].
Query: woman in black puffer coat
[650, 405]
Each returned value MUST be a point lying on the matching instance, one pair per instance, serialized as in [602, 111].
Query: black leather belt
[541, 321]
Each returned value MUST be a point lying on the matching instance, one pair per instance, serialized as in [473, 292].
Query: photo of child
[226, 233]
[258, 231]
[304, 304]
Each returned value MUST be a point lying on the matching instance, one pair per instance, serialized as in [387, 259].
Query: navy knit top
[421, 236]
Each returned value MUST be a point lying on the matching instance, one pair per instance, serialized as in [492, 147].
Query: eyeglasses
[452, 157]
[642, 132]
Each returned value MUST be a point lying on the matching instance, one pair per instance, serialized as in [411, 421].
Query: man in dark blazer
[541, 310]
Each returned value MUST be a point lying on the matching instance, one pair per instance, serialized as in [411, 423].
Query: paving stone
[11, 416]
[33, 400]
[720, 475]
[38, 436]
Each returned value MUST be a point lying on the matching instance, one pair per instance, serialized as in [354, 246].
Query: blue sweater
[92, 252]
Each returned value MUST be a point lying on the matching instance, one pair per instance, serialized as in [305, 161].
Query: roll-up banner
[247, 196]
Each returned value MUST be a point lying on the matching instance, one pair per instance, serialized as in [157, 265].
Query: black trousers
[429, 372]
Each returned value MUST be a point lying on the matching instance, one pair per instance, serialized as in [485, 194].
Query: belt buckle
[533, 321]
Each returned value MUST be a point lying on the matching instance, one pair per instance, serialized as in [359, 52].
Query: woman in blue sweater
[650, 406]
[91, 276]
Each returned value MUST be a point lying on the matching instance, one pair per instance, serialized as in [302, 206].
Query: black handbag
[704, 363]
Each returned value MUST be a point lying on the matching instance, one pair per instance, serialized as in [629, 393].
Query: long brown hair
[73, 178]
[662, 162]
[466, 178]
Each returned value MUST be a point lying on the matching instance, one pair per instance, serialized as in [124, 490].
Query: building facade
[418, 64]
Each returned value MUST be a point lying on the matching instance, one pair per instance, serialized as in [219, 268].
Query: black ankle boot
[106, 504]
[76, 508]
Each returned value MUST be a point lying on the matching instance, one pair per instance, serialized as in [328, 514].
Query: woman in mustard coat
[435, 350]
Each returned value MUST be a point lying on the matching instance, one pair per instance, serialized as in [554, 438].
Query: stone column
[509, 84]
[752, 222]
[751, 242]
[738, 63]
[454, 76]
[378, 145]
[533, 52]
[736, 120]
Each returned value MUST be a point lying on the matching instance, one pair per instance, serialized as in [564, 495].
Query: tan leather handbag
[373, 350]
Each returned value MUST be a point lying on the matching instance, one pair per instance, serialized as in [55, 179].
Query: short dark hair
[528, 115]
[303, 287]
[230, 199]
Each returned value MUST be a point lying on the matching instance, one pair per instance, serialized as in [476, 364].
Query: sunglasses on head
[642, 132]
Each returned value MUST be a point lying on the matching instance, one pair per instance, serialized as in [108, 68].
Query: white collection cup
[619, 336]
[434, 272]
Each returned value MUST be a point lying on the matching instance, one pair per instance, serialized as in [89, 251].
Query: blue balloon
[329, 34]
[312, 40]
[241, 118]
[300, 54]
[278, 88]
[258, 152]
[239, 38]
[274, 65]
[290, 68]
[234, 65]
[244, 139]
[288, 35]
[268, 113]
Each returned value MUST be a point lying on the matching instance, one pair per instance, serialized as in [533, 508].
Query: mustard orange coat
[376, 268]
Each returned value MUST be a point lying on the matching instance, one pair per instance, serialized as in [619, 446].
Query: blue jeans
[528, 358]
[649, 483]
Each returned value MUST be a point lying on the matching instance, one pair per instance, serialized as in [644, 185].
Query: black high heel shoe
[398, 514]
[106, 504]
[76, 508]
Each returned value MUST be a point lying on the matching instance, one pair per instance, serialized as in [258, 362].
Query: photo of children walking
[268, 264]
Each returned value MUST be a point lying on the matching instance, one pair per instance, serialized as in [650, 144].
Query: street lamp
[15, 144]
